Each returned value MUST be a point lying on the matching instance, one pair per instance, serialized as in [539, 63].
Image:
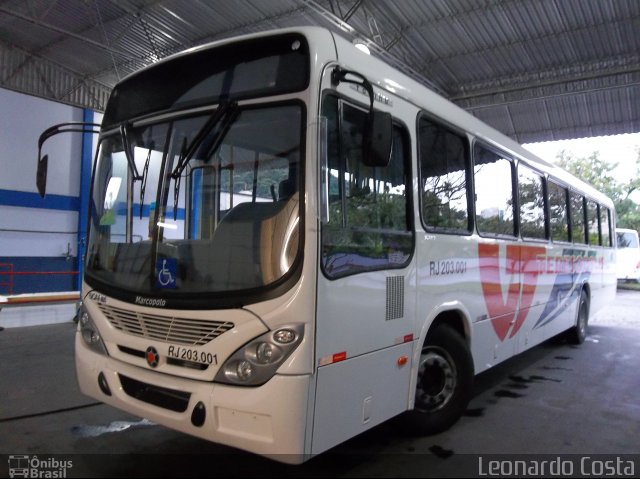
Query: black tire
[445, 382]
[578, 333]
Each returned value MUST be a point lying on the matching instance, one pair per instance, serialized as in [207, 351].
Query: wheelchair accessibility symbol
[167, 270]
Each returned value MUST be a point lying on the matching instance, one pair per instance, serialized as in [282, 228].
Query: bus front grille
[193, 332]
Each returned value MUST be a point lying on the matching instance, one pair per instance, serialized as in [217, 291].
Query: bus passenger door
[366, 284]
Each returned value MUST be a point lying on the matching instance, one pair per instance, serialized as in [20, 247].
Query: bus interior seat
[239, 256]
[286, 189]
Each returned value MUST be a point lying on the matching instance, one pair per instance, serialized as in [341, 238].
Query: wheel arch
[456, 320]
[456, 339]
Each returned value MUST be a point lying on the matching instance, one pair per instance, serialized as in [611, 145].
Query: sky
[619, 149]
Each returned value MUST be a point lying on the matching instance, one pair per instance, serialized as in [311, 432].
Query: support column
[85, 184]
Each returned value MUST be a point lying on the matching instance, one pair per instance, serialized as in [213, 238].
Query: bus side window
[493, 181]
[531, 196]
[605, 226]
[443, 178]
[578, 231]
[558, 214]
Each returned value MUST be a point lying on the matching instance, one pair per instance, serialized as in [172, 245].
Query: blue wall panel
[39, 283]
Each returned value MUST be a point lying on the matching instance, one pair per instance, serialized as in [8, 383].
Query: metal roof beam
[352, 10]
[54, 84]
[67, 33]
[540, 89]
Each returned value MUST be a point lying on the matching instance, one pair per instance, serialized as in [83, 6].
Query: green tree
[598, 172]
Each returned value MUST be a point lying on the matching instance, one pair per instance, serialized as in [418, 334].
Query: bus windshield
[200, 206]
[627, 239]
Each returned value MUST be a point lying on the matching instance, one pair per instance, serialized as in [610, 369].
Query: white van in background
[628, 255]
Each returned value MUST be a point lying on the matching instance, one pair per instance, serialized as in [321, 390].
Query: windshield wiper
[220, 120]
[215, 129]
[145, 172]
[127, 152]
[177, 181]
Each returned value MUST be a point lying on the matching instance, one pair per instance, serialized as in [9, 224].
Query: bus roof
[396, 83]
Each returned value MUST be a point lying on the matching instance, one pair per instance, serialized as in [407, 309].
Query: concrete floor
[554, 400]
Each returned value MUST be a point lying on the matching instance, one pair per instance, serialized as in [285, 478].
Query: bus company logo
[153, 358]
[154, 302]
[521, 266]
[520, 263]
[27, 466]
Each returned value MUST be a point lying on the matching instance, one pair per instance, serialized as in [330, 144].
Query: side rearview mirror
[378, 139]
[43, 161]
[41, 175]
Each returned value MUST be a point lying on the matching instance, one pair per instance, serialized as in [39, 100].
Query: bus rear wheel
[578, 333]
[444, 383]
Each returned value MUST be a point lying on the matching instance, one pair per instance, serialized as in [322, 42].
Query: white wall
[22, 119]
[15, 243]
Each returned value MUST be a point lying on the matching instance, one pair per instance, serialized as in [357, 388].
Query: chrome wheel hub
[436, 380]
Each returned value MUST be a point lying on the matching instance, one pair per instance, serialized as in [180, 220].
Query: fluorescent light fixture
[169, 226]
[360, 45]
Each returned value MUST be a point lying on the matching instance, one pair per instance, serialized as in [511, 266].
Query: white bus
[393, 247]
[628, 255]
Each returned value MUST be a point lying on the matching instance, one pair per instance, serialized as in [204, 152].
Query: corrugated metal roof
[535, 69]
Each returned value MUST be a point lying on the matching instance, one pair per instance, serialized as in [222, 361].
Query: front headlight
[89, 332]
[257, 361]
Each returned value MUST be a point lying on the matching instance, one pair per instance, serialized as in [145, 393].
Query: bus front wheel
[444, 384]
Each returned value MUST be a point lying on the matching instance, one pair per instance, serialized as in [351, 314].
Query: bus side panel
[450, 281]
[565, 271]
[359, 393]
[537, 285]
[548, 278]
[609, 281]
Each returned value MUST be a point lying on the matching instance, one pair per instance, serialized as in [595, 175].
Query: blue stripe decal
[28, 199]
[566, 289]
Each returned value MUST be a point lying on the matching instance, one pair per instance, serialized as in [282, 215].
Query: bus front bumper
[268, 420]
